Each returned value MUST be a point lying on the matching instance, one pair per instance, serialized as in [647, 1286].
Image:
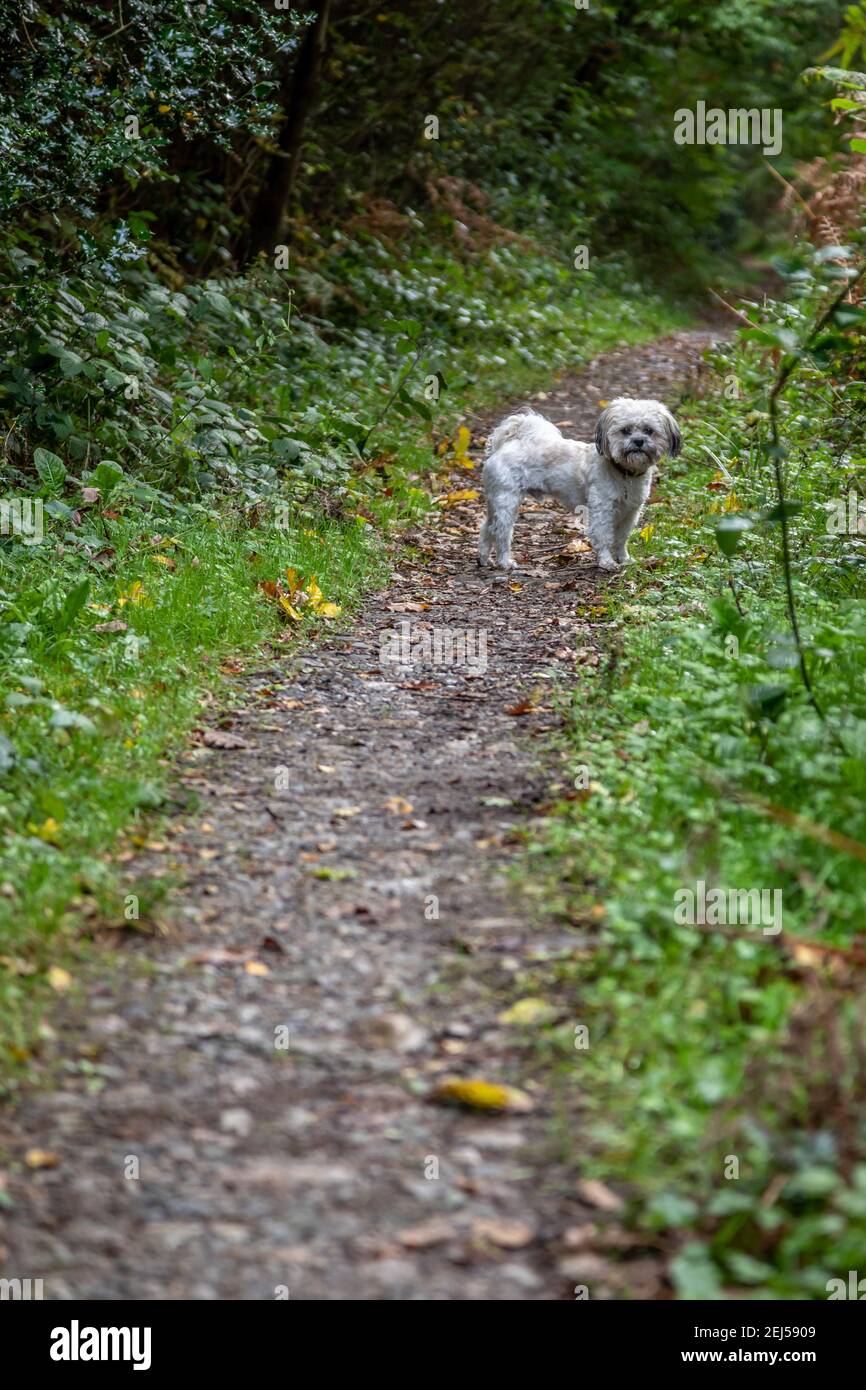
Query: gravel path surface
[345, 941]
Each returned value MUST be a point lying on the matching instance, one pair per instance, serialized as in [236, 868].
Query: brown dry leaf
[508, 1235]
[345, 812]
[15, 965]
[398, 806]
[599, 1195]
[407, 606]
[41, 1158]
[525, 707]
[222, 738]
[115, 625]
[839, 961]
[434, 1232]
[220, 955]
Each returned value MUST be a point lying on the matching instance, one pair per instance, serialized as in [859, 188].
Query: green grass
[238, 458]
[697, 738]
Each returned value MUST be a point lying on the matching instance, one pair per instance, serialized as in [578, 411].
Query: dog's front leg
[601, 530]
[625, 524]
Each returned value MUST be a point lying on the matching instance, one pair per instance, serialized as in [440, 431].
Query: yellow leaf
[528, 1011]
[134, 594]
[646, 531]
[462, 440]
[314, 592]
[329, 610]
[255, 967]
[287, 608]
[481, 1095]
[59, 979]
[40, 1158]
[294, 579]
[163, 108]
[732, 502]
[466, 494]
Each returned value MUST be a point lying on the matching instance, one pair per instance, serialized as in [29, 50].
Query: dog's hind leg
[501, 525]
[485, 540]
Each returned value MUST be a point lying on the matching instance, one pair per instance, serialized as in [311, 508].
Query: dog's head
[636, 434]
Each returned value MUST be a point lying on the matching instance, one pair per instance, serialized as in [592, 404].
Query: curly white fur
[526, 454]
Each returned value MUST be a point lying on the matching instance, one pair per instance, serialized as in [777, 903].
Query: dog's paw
[608, 564]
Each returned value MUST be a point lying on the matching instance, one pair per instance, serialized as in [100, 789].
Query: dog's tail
[510, 428]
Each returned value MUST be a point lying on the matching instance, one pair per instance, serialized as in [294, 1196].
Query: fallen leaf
[41, 1158]
[524, 707]
[16, 966]
[59, 979]
[256, 967]
[599, 1195]
[434, 1232]
[527, 1012]
[398, 806]
[222, 738]
[220, 955]
[508, 1235]
[482, 1095]
[453, 499]
[134, 594]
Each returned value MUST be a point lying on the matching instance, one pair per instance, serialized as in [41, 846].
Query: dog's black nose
[637, 441]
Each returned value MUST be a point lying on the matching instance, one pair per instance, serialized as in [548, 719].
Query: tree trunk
[268, 216]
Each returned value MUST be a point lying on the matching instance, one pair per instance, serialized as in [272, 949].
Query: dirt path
[309, 908]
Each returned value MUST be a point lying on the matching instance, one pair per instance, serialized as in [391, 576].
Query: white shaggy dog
[612, 478]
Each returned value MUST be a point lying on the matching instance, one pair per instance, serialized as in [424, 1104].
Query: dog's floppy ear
[601, 432]
[672, 430]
